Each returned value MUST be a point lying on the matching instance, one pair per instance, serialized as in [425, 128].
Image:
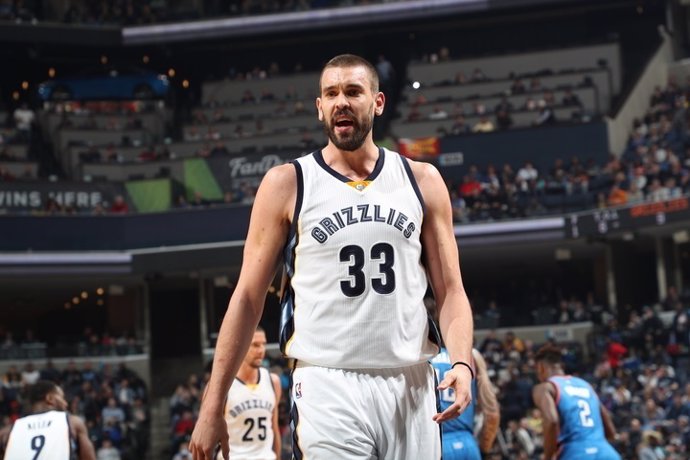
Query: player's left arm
[81, 434]
[443, 268]
[487, 403]
[544, 400]
[275, 380]
[609, 427]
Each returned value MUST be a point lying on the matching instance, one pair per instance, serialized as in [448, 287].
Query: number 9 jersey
[355, 285]
[44, 436]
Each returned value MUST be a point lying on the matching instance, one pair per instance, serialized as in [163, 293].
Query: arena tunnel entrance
[175, 333]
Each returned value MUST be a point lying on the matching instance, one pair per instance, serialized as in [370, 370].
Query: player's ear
[318, 108]
[379, 103]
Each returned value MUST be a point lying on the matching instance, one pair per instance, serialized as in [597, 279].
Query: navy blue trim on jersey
[270, 379]
[437, 393]
[318, 156]
[287, 317]
[73, 441]
[294, 422]
[258, 380]
[299, 199]
[413, 181]
[434, 335]
[287, 303]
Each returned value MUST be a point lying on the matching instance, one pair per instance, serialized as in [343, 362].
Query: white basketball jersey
[249, 416]
[44, 436]
[355, 280]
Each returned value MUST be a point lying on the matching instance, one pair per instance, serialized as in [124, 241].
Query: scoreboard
[601, 222]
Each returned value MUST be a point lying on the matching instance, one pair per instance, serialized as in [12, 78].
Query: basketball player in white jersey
[251, 409]
[49, 433]
[362, 231]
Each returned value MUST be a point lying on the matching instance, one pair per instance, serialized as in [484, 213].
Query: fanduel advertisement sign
[230, 172]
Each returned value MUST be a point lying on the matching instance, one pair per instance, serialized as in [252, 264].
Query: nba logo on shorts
[298, 390]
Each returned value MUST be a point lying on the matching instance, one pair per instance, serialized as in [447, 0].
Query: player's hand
[460, 380]
[210, 430]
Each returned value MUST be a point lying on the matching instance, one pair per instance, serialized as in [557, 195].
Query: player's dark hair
[352, 60]
[549, 353]
[39, 390]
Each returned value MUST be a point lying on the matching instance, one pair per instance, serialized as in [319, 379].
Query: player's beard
[351, 141]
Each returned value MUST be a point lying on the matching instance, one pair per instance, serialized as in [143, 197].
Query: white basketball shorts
[359, 414]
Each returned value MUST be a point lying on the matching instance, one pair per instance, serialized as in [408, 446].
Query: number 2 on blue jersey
[585, 412]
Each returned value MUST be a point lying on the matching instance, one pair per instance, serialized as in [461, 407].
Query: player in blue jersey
[576, 425]
[459, 442]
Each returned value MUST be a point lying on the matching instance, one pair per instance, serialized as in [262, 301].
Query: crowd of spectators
[120, 12]
[91, 343]
[655, 166]
[550, 308]
[14, 346]
[243, 193]
[536, 99]
[129, 12]
[113, 401]
[15, 138]
[640, 371]
[494, 195]
[534, 96]
[656, 161]
[17, 11]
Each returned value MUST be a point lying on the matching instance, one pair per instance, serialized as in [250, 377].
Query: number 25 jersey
[355, 281]
[249, 417]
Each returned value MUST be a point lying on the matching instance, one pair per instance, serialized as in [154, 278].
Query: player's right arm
[544, 399]
[487, 403]
[268, 229]
[81, 434]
